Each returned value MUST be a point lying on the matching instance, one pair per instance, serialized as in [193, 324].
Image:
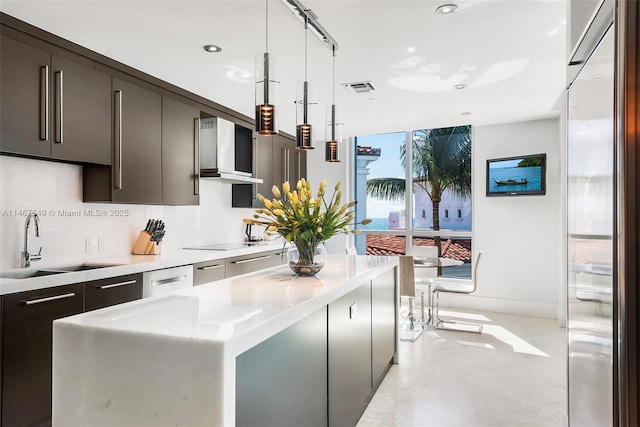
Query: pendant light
[332, 145]
[266, 88]
[304, 130]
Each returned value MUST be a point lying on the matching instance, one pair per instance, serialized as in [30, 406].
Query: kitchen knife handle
[118, 143]
[196, 157]
[44, 103]
[59, 93]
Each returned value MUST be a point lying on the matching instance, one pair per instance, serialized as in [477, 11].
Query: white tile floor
[513, 374]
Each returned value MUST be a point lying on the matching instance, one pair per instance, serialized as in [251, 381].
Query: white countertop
[126, 264]
[240, 311]
[171, 360]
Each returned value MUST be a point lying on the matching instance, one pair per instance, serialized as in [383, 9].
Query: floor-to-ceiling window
[434, 211]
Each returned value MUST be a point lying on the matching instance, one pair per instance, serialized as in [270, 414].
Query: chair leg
[441, 323]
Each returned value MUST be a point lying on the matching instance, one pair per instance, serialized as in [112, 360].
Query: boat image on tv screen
[514, 176]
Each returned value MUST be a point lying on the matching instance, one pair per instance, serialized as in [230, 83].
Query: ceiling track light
[332, 145]
[266, 88]
[311, 19]
[304, 131]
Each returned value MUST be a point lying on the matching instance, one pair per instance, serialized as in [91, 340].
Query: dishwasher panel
[167, 281]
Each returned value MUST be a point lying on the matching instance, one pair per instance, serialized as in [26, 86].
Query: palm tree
[441, 160]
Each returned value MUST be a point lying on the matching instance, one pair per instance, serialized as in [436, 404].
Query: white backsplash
[54, 190]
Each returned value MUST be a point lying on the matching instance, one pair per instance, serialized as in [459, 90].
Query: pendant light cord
[306, 23]
[333, 87]
[266, 25]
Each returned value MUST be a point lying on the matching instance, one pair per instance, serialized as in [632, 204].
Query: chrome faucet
[26, 257]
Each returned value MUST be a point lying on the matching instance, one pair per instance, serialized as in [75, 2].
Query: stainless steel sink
[80, 267]
[27, 274]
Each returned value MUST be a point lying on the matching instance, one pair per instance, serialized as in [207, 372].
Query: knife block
[144, 245]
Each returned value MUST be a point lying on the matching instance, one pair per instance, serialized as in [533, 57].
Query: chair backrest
[474, 279]
[351, 250]
[427, 252]
[406, 276]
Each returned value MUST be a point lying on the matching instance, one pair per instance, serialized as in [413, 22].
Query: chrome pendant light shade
[304, 130]
[266, 88]
[332, 144]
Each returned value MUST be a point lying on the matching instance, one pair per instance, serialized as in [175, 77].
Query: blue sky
[504, 164]
[388, 165]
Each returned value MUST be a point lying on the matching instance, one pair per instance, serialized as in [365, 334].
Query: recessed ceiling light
[446, 9]
[460, 86]
[212, 48]
[466, 113]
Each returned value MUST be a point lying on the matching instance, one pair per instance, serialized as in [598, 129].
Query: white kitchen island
[262, 348]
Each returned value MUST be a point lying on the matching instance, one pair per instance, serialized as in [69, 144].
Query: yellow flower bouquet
[305, 220]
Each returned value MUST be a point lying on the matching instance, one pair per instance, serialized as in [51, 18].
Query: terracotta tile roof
[363, 149]
[377, 244]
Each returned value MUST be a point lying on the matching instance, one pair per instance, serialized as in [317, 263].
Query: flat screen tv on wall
[517, 176]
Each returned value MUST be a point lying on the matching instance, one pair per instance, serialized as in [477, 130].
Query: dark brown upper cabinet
[136, 173]
[276, 160]
[53, 106]
[180, 153]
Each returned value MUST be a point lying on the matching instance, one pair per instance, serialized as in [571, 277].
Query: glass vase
[305, 258]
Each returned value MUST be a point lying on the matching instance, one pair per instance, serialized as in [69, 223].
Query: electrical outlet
[91, 245]
[100, 244]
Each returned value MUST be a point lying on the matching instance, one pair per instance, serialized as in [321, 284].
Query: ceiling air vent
[359, 87]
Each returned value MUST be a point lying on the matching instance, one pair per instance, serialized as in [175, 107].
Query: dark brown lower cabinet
[26, 350]
[349, 356]
[283, 380]
[114, 290]
[383, 326]
[27, 336]
[324, 370]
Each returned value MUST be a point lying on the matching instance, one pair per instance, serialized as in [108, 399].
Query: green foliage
[532, 161]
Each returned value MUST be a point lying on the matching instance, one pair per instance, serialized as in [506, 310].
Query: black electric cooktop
[224, 246]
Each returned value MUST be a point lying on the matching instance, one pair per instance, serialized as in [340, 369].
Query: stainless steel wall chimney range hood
[226, 151]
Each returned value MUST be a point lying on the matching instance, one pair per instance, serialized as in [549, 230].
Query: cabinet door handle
[284, 164]
[254, 167]
[288, 165]
[118, 143]
[44, 103]
[299, 166]
[210, 267]
[115, 285]
[47, 299]
[196, 156]
[243, 261]
[59, 89]
[161, 282]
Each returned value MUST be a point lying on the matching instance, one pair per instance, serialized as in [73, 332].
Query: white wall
[318, 169]
[521, 237]
[51, 187]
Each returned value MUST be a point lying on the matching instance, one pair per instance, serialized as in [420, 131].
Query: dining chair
[424, 275]
[410, 327]
[456, 286]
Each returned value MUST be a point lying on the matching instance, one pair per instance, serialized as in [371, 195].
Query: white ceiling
[510, 54]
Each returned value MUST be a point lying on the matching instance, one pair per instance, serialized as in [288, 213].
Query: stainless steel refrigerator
[591, 228]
